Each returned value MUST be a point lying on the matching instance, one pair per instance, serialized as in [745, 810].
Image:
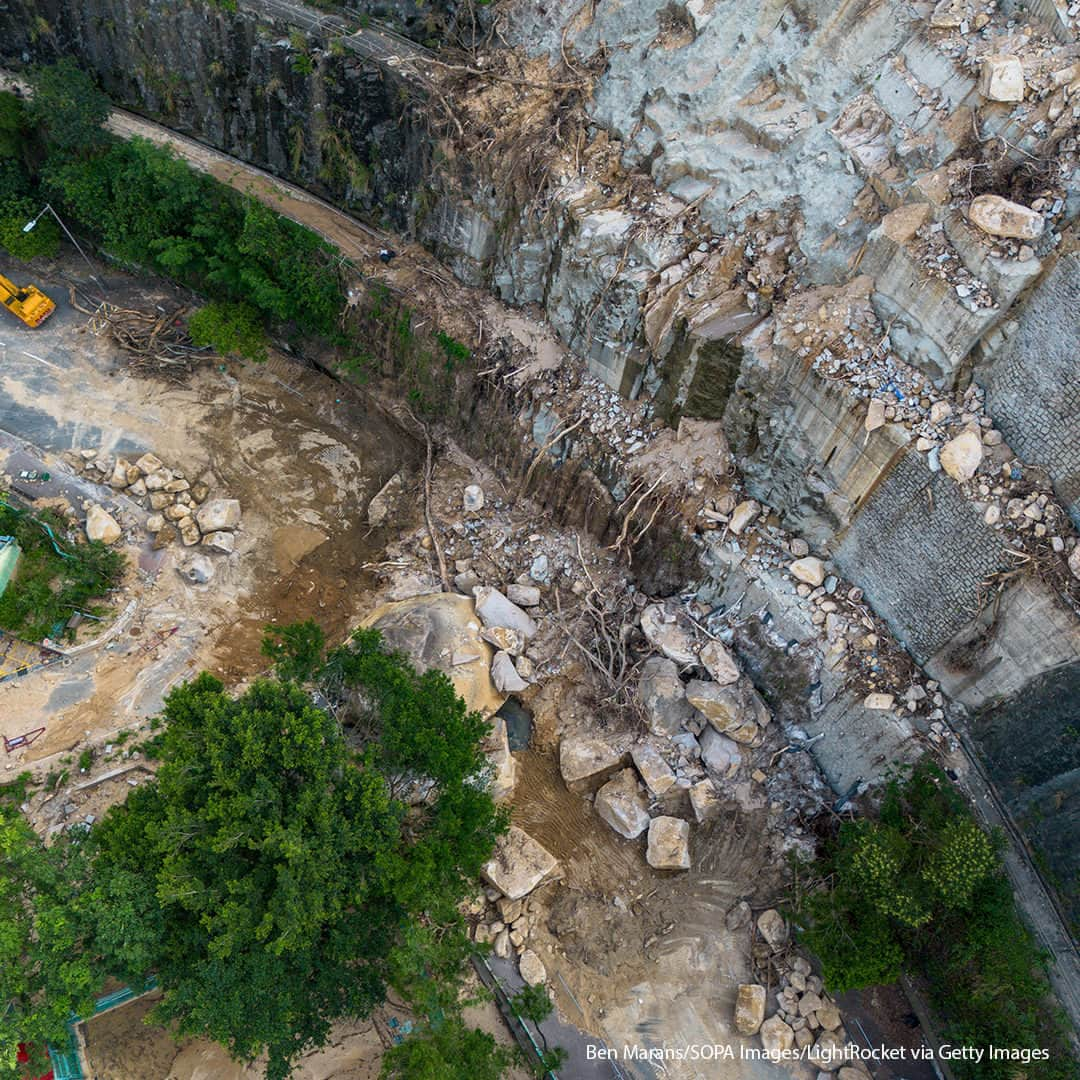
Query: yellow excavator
[28, 302]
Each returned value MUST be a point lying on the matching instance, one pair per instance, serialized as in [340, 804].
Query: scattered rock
[505, 639]
[704, 799]
[738, 917]
[200, 571]
[518, 865]
[654, 770]
[743, 515]
[828, 1016]
[961, 457]
[523, 595]
[472, 498]
[622, 806]
[1000, 217]
[735, 710]
[669, 844]
[218, 514]
[664, 697]
[827, 1053]
[101, 525]
[155, 523]
[719, 663]
[383, 502]
[773, 928]
[505, 676]
[174, 487]
[119, 478]
[532, 968]
[189, 533]
[878, 701]
[218, 541]
[1074, 561]
[149, 463]
[665, 632]
[810, 570]
[503, 763]
[501, 945]
[776, 1038]
[1001, 78]
[749, 1008]
[159, 500]
[585, 759]
[719, 753]
[495, 609]
[875, 415]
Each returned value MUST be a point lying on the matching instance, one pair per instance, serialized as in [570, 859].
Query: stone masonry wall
[1033, 384]
[920, 550]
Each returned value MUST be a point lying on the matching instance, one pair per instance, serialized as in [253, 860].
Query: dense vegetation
[922, 890]
[274, 859]
[48, 587]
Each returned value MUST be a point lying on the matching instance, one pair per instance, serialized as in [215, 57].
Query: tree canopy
[272, 861]
[922, 890]
[45, 972]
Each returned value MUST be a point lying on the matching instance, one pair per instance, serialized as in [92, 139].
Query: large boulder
[749, 1008]
[518, 864]
[1000, 217]
[668, 634]
[622, 806]
[669, 844]
[662, 693]
[735, 711]
[585, 760]
[495, 609]
[441, 630]
[218, 514]
[101, 525]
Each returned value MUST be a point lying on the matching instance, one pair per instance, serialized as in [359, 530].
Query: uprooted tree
[279, 876]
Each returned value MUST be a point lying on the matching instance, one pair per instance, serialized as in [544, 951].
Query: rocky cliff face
[270, 83]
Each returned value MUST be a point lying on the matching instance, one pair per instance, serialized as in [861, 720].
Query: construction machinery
[28, 302]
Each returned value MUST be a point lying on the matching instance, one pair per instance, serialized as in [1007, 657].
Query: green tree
[230, 329]
[447, 1051]
[271, 862]
[297, 649]
[922, 890]
[68, 107]
[45, 974]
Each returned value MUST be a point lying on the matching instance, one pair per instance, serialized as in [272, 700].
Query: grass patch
[15, 791]
[48, 587]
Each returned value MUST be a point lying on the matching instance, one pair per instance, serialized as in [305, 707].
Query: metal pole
[93, 276]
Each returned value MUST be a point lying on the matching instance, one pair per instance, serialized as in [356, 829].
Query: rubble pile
[806, 1020]
[178, 507]
[938, 257]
